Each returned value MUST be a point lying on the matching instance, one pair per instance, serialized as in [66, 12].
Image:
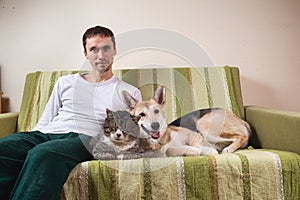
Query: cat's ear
[130, 101]
[160, 95]
[109, 113]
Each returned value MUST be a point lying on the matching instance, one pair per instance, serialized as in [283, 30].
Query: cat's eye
[156, 111]
[142, 114]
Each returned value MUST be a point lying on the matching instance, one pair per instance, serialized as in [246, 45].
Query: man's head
[97, 30]
[99, 48]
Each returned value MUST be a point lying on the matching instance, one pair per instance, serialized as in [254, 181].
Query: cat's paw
[128, 156]
[104, 156]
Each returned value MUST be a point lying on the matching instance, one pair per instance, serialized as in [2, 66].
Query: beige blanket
[246, 174]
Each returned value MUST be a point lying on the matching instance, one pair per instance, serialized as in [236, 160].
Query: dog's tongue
[155, 135]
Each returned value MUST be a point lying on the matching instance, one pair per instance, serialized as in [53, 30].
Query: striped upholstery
[37, 90]
[187, 89]
[245, 174]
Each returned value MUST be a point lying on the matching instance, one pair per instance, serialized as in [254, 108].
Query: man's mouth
[102, 63]
[154, 135]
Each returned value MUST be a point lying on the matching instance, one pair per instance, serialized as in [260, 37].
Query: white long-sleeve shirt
[77, 105]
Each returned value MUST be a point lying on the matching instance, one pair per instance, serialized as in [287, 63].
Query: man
[35, 165]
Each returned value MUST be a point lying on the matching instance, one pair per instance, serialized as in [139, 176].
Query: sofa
[268, 168]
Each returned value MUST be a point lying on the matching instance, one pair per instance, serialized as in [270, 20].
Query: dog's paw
[227, 150]
[208, 151]
[192, 153]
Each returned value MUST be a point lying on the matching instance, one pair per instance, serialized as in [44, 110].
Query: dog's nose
[155, 125]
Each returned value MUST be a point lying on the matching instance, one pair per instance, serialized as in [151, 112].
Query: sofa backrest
[187, 89]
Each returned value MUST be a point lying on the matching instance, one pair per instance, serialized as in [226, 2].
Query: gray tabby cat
[120, 137]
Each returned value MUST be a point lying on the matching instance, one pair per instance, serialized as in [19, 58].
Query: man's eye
[106, 48]
[94, 50]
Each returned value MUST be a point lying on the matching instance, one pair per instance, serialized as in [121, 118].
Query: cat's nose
[118, 135]
[155, 125]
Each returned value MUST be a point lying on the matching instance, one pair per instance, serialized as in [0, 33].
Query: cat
[120, 138]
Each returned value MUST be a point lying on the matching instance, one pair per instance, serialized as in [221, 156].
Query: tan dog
[201, 132]
[169, 140]
[221, 129]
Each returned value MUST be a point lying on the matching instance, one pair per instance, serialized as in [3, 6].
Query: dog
[221, 128]
[212, 132]
[167, 139]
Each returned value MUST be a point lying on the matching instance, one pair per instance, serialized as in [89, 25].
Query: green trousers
[34, 165]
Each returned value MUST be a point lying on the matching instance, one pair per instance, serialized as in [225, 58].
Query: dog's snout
[155, 125]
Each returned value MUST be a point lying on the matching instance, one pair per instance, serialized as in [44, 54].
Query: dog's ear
[129, 100]
[135, 118]
[160, 95]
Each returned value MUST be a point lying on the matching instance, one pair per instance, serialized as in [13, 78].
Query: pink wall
[261, 37]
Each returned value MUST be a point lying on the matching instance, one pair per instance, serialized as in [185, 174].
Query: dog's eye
[142, 114]
[156, 111]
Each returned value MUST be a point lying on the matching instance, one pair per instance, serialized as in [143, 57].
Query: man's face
[100, 52]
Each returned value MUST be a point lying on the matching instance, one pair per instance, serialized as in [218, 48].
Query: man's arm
[52, 107]
[137, 95]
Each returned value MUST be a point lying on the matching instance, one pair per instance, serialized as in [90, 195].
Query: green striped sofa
[269, 168]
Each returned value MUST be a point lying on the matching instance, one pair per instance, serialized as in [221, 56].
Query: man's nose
[100, 54]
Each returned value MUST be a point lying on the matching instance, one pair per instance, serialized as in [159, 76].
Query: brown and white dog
[213, 131]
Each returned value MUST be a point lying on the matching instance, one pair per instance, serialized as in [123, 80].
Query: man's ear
[160, 95]
[129, 100]
[85, 54]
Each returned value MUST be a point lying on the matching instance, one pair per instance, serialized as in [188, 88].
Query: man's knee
[40, 154]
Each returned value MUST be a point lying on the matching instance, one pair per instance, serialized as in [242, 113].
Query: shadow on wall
[4, 100]
[258, 94]
[5, 105]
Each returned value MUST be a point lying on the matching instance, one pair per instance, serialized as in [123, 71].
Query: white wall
[261, 37]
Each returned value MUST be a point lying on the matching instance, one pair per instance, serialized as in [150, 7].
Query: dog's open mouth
[154, 135]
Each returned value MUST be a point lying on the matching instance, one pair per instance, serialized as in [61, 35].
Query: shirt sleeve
[52, 107]
[118, 101]
[137, 95]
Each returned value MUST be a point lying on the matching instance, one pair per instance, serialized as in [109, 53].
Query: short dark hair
[98, 30]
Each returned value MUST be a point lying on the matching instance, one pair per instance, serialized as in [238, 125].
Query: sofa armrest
[8, 123]
[274, 129]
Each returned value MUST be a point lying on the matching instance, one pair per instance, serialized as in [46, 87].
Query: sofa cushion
[37, 90]
[245, 174]
[188, 89]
